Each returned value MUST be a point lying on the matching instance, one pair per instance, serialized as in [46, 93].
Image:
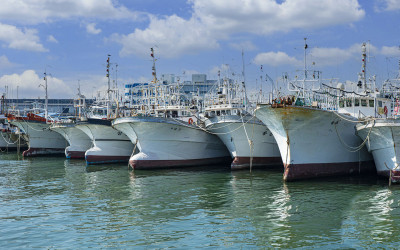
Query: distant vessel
[248, 140]
[166, 132]
[381, 131]
[315, 136]
[41, 140]
[79, 142]
[10, 136]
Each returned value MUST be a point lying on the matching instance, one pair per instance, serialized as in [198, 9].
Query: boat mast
[108, 89]
[46, 112]
[154, 73]
[305, 67]
[362, 75]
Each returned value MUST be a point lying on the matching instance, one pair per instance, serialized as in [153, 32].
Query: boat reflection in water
[308, 214]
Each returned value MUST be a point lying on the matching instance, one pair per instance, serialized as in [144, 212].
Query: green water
[54, 203]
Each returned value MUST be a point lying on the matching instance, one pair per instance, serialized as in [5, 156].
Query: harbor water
[54, 203]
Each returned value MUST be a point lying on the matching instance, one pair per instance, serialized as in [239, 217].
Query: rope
[33, 127]
[238, 120]
[252, 148]
[230, 123]
[249, 141]
[133, 152]
[353, 121]
[350, 148]
[8, 142]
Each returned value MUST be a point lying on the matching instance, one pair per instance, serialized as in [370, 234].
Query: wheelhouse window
[341, 104]
[356, 102]
[363, 103]
[380, 104]
[349, 102]
[371, 103]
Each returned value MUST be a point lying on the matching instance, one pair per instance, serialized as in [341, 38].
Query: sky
[71, 39]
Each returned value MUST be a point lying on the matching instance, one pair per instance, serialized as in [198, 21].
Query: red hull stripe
[100, 159]
[395, 175]
[244, 162]
[75, 154]
[154, 164]
[315, 170]
[42, 151]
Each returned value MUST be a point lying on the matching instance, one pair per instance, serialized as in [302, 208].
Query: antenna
[46, 97]
[305, 57]
[244, 82]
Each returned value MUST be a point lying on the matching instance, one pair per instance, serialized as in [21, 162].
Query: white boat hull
[109, 144]
[166, 143]
[383, 142]
[79, 142]
[312, 142]
[41, 140]
[247, 141]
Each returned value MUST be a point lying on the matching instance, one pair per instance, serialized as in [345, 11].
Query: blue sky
[71, 39]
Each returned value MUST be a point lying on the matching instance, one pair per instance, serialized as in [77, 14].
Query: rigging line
[354, 149]
[8, 142]
[233, 129]
[353, 121]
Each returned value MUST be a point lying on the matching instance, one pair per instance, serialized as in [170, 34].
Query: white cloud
[330, 56]
[28, 85]
[267, 16]
[91, 29]
[52, 39]
[41, 11]
[323, 56]
[15, 38]
[276, 59]
[245, 45]
[173, 36]
[212, 21]
[5, 63]
[390, 51]
[387, 5]
[222, 70]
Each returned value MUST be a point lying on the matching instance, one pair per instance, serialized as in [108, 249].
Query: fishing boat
[249, 141]
[381, 131]
[36, 127]
[315, 137]
[10, 137]
[108, 145]
[79, 142]
[167, 131]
